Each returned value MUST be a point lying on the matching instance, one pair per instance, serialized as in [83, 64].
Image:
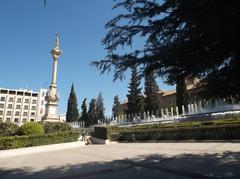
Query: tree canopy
[100, 109]
[183, 38]
[72, 110]
[151, 101]
[84, 114]
[116, 106]
[92, 113]
[135, 98]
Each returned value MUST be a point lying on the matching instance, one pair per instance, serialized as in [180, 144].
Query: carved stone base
[51, 113]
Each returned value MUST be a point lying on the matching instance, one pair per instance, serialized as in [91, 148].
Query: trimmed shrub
[103, 132]
[201, 133]
[196, 130]
[13, 142]
[55, 127]
[30, 128]
[8, 129]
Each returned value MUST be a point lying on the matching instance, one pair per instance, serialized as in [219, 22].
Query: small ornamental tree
[72, 110]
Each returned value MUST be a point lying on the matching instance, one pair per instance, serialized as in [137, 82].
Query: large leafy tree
[100, 109]
[116, 106]
[135, 98]
[182, 38]
[84, 114]
[72, 110]
[92, 113]
[151, 101]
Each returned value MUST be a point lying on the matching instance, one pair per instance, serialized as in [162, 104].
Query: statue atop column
[52, 96]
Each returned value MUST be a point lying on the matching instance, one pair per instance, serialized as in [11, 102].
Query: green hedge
[102, 132]
[8, 129]
[55, 127]
[176, 129]
[12, 142]
[201, 133]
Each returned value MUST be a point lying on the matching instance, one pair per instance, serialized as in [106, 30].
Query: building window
[2, 98]
[26, 100]
[42, 102]
[32, 120]
[10, 106]
[26, 107]
[1, 112]
[16, 120]
[24, 120]
[41, 112]
[8, 119]
[1, 105]
[19, 100]
[17, 113]
[9, 113]
[32, 114]
[34, 101]
[10, 99]
[43, 94]
[33, 107]
[18, 106]
[25, 114]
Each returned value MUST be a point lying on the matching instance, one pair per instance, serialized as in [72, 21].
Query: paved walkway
[134, 160]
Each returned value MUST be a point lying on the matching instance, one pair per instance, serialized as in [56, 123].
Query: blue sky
[27, 32]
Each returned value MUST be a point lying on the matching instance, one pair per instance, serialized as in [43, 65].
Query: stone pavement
[128, 160]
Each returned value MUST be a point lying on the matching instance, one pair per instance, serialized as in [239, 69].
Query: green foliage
[181, 94]
[56, 127]
[8, 129]
[13, 142]
[84, 115]
[116, 107]
[114, 132]
[135, 99]
[231, 132]
[188, 38]
[151, 101]
[103, 132]
[100, 107]
[72, 110]
[92, 113]
[30, 128]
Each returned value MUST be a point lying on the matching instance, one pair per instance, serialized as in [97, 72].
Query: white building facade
[22, 105]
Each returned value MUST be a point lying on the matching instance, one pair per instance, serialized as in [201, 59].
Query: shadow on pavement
[225, 165]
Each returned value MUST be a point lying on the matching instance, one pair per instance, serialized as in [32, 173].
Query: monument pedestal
[52, 96]
[51, 107]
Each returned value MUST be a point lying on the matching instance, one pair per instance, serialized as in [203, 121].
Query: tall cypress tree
[151, 102]
[135, 99]
[100, 107]
[84, 115]
[182, 97]
[72, 110]
[116, 106]
[92, 112]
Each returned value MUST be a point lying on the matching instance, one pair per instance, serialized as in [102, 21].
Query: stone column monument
[52, 96]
